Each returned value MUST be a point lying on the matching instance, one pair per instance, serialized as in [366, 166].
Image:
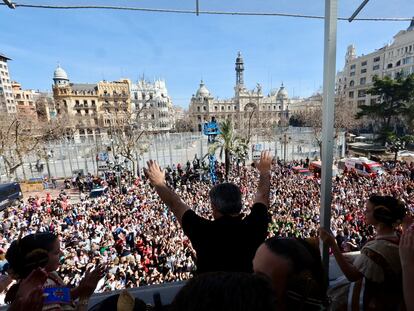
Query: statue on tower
[259, 88]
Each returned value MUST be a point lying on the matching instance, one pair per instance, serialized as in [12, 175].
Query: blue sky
[92, 45]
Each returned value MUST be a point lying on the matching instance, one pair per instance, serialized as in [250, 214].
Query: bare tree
[344, 120]
[128, 136]
[183, 125]
[17, 139]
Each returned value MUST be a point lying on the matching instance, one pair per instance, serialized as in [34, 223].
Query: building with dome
[92, 109]
[247, 107]
[151, 106]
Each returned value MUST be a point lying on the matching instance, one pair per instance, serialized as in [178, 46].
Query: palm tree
[229, 144]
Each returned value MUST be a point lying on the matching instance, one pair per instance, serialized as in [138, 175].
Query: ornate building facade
[248, 108]
[91, 109]
[152, 108]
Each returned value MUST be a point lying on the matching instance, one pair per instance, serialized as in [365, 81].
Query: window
[359, 166]
[408, 60]
[85, 103]
[351, 94]
[215, 108]
[351, 83]
[398, 63]
[228, 108]
[222, 108]
[364, 63]
[360, 103]
[352, 66]
[204, 108]
[363, 70]
[198, 108]
[361, 93]
[93, 103]
[376, 67]
[352, 73]
[363, 80]
[76, 102]
[389, 66]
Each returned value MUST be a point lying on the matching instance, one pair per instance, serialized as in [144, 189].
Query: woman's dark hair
[29, 253]
[223, 291]
[226, 198]
[307, 284]
[388, 210]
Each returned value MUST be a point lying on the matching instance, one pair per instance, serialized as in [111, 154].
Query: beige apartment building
[114, 105]
[92, 110]
[357, 75]
[25, 101]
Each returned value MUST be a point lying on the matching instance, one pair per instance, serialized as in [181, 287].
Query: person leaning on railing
[373, 281]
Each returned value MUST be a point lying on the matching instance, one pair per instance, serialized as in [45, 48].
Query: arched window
[351, 83]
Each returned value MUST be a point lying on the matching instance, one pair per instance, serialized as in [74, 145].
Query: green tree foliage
[230, 144]
[395, 102]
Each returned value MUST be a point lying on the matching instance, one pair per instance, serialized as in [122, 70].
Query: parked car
[97, 192]
[316, 168]
[303, 172]
[10, 194]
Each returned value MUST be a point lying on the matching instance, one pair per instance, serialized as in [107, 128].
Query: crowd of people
[140, 241]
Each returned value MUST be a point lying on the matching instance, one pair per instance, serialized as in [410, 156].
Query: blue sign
[103, 156]
[57, 295]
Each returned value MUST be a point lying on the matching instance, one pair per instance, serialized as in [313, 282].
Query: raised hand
[265, 163]
[155, 174]
[89, 282]
[327, 237]
[30, 293]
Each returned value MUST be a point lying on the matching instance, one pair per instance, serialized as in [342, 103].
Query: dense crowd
[136, 235]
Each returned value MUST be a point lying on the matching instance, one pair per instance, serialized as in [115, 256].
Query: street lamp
[284, 140]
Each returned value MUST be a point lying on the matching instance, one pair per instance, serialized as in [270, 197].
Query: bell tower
[239, 71]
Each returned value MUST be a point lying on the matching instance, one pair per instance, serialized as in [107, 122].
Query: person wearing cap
[229, 242]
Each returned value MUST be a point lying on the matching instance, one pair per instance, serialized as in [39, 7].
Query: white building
[7, 104]
[248, 108]
[151, 106]
[356, 77]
